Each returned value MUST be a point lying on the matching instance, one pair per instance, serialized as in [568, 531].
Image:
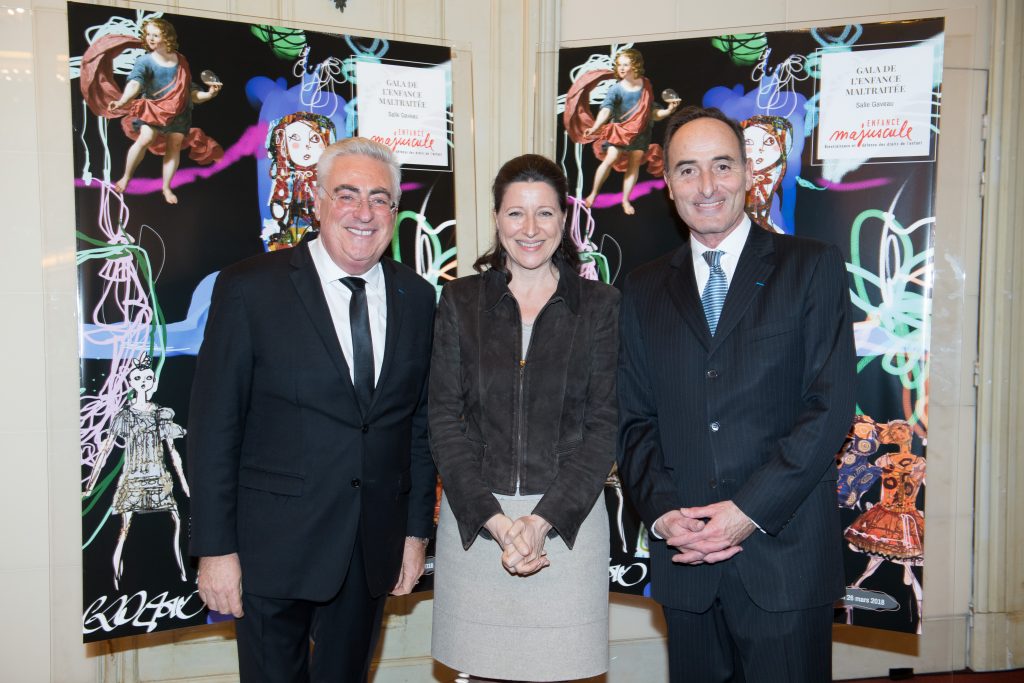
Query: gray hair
[362, 147]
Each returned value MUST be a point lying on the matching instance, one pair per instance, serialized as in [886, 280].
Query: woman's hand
[114, 105]
[524, 553]
[498, 526]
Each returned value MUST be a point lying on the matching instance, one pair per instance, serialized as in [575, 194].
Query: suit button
[365, 428]
[356, 483]
[713, 483]
[711, 374]
[714, 426]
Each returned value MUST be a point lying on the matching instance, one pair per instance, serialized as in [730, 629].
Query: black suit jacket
[283, 467]
[754, 414]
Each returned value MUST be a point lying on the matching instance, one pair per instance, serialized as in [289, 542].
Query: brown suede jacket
[547, 422]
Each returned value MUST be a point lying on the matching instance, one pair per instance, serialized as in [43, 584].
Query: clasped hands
[521, 541]
[706, 534]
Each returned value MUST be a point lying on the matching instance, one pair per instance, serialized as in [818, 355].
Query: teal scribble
[896, 299]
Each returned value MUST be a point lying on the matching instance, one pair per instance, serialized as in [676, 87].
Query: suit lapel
[682, 289]
[755, 266]
[311, 294]
[395, 298]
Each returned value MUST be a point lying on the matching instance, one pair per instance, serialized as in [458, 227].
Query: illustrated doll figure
[156, 104]
[622, 128]
[145, 485]
[769, 140]
[294, 145]
[893, 529]
[857, 474]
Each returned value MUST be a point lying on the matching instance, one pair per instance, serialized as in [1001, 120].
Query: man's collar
[732, 244]
[329, 271]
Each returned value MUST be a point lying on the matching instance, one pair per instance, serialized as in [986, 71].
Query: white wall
[503, 58]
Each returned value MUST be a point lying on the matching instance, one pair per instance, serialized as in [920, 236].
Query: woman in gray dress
[522, 427]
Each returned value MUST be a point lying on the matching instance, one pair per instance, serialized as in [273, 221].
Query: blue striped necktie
[715, 290]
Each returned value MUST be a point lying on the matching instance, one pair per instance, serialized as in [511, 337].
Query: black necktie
[362, 343]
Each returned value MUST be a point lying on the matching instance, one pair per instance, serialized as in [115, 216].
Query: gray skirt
[550, 626]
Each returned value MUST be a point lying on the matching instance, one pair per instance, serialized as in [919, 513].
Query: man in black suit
[312, 482]
[730, 417]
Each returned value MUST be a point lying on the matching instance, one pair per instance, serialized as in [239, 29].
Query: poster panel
[841, 125]
[256, 105]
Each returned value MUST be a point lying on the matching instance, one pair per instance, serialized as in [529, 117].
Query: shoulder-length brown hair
[529, 168]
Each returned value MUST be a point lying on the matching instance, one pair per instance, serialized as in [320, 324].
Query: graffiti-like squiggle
[896, 297]
[284, 42]
[430, 261]
[742, 48]
[250, 143]
[593, 263]
[775, 85]
[128, 291]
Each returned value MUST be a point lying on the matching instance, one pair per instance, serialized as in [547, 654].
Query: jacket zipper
[520, 408]
[519, 420]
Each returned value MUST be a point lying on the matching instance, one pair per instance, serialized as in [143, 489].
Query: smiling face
[305, 145]
[154, 38]
[763, 148]
[530, 224]
[355, 237]
[707, 179]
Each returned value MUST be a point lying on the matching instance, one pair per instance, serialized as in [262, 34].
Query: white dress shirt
[338, 298]
[731, 246]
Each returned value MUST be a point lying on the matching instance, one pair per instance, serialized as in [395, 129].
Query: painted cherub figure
[145, 485]
[155, 106]
[621, 131]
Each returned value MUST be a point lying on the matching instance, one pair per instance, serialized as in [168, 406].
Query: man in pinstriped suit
[735, 392]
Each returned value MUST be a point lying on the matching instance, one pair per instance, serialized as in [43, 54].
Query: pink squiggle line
[641, 189]
[250, 143]
[853, 187]
[123, 292]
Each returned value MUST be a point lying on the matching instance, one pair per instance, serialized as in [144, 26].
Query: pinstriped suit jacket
[754, 414]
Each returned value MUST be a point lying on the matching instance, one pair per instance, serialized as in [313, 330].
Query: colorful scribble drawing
[294, 145]
[142, 429]
[769, 140]
[743, 48]
[893, 529]
[594, 262]
[128, 323]
[896, 298]
[156, 105]
[621, 131]
[431, 260]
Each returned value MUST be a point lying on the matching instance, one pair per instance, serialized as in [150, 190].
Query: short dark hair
[529, 168]
[692, 113]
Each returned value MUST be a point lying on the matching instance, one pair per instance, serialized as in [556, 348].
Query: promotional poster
[244, 112]
[841, 127]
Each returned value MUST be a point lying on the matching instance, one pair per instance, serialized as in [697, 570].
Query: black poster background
[217, 221]
[843, 208]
